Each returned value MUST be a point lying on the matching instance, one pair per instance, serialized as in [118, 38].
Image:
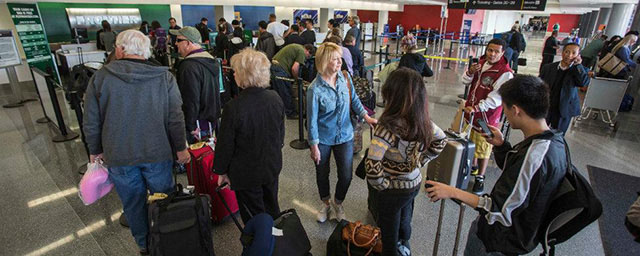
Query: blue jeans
[284, 89]
[394, 218]
[475, 246]
[344, 161]
[132, 183]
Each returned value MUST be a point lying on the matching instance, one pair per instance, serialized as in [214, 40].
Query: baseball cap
[191, 33]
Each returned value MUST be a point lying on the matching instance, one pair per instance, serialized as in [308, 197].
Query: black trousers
[395, 211]
[546, 59]
[258, 200]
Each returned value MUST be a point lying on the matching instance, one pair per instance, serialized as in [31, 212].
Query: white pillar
[353, 12]
[224, 11]
[635, 25]
[325, 15]
[603, 17]
[176, 13]
[383, 19]
[619, 19]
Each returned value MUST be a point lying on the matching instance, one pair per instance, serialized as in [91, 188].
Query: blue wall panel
[192, 14]
[251, 15]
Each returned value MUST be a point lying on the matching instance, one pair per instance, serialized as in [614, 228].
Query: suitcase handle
[226, 206]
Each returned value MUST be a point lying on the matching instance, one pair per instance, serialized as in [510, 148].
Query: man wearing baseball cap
[199, 77]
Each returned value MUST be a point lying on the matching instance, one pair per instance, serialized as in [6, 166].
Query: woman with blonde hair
[330, 99]
[249, 148]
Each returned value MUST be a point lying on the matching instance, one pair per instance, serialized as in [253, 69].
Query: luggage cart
[604, 97]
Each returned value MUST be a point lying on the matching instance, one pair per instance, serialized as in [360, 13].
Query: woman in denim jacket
[330, 100]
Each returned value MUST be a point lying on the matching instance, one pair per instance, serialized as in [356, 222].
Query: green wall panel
[54, 17]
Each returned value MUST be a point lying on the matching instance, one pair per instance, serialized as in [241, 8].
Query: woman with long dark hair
[404, 140]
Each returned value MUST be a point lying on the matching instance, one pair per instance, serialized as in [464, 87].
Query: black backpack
[574, 207]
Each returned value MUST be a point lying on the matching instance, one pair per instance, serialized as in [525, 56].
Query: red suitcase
[206, 182]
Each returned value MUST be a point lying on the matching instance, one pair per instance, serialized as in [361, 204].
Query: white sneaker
[323, 213]
[339, 210]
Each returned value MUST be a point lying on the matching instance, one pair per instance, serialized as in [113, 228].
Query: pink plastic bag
[95, 183]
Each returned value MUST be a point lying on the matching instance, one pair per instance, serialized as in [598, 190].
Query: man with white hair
[354, 31]
[134, 124]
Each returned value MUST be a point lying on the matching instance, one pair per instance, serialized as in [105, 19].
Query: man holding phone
[485, 78]
[513, 213]
[563, 78]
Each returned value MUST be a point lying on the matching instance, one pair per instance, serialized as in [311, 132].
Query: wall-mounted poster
[306, 14]
[341, 16]
[91, 18]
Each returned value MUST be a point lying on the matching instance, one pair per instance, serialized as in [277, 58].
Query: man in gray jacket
[133, 122]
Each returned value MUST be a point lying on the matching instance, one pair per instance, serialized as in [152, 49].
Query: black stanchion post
[77, 106]
[300, 143]
[450, 50]
[375, 37]
[398, 38]
[64, 134]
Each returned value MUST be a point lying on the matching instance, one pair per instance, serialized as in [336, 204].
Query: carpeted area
[617, 192]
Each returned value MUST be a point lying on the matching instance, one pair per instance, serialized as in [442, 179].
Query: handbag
[363, 236]
[612, 64]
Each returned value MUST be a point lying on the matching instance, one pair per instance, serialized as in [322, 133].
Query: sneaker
[339, 210]
[478, 185]
[403, 249]
[323, 214]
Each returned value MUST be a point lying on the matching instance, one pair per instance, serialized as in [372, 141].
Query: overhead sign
[524, 5]
[91, 18]
[34, 41]
[341, 16]
[9, 55]
[306, 14]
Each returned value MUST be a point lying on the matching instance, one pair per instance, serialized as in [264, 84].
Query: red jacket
[482, 84]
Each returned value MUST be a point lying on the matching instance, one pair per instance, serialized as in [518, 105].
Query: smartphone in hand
[485, 127]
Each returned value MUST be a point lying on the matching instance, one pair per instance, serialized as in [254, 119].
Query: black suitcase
[181, 223]
[522, 62]
[293, 239]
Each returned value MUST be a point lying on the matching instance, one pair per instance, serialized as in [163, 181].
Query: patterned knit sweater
[394, 163]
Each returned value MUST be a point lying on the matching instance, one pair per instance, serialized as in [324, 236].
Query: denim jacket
[328, 111]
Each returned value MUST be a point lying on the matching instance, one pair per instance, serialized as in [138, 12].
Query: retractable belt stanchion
[64, 134]
[300, 142]
[15, 87]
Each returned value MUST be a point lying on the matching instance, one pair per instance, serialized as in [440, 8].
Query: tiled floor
[42, 213]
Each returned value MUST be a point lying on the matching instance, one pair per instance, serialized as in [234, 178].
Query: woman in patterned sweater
[404, 140]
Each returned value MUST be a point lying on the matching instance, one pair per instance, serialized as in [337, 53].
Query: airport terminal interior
[43, 154]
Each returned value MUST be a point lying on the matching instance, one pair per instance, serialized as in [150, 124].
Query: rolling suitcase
[453, 167]
[206, 182]
[180, 224]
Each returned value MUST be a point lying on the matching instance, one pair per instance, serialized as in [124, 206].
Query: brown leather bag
[363, 236]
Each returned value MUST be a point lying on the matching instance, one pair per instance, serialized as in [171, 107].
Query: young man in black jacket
[309, 35]
[266, 42]
[199, 82]
[356, 54]
[512, 214]
[564, 77]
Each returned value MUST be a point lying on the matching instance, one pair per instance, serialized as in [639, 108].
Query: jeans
[258, 200]
[395, 211]
[132, 183]
[283, 88]
[475, 246]
[514, 61]
[344, 161]
[558, 122]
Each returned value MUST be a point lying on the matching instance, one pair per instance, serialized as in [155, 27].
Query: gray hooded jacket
[133, 114]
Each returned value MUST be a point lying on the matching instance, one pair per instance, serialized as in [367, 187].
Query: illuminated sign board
[91, 18]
